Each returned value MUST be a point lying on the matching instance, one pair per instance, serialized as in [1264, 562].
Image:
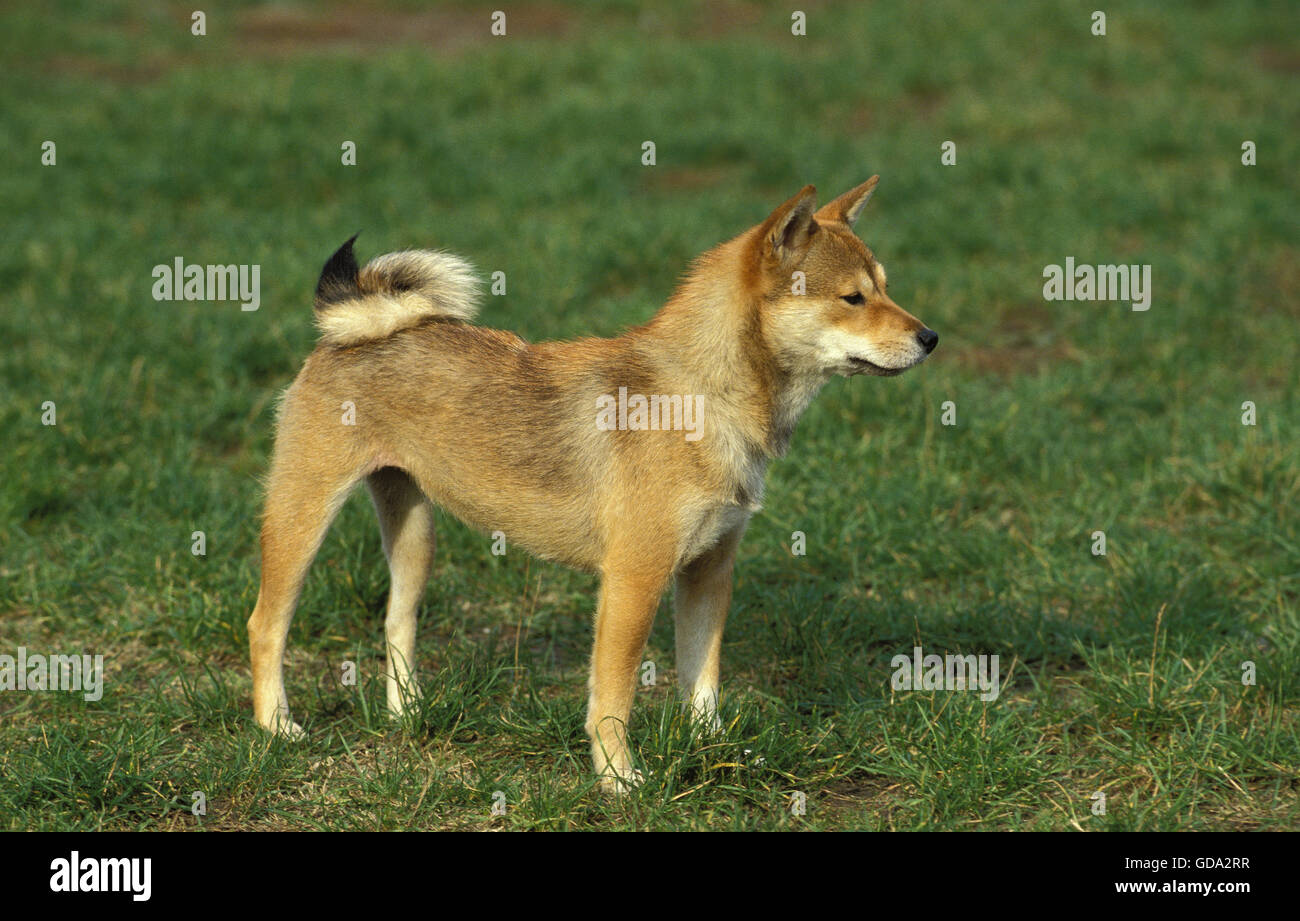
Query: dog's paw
[619, 784]
[707, 721]
[404, 707]
[284, 728]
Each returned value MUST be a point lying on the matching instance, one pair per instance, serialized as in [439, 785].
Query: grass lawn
[1122, 673]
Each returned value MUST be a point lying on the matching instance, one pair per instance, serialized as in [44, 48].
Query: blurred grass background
[523, 152]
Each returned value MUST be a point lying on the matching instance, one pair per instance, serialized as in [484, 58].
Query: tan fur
[503, 434]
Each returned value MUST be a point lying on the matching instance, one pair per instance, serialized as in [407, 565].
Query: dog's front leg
[701, 599]
[629, 595]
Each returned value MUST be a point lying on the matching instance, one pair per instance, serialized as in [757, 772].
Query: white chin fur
[876, 362]
[837, 349]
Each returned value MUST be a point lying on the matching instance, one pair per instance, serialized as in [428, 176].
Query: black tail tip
[338, 279]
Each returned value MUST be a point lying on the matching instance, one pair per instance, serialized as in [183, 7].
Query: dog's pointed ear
[848, 207]
[787, 231]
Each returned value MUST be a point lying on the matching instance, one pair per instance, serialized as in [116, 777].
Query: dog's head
[823, 292]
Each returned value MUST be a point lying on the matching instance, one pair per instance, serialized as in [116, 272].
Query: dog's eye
[854, 298]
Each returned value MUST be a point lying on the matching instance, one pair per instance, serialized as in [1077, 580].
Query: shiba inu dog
[405, 393]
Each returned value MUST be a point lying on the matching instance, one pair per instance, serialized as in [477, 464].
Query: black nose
[928, 339]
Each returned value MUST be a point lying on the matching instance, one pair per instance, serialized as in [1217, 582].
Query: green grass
[523, 153]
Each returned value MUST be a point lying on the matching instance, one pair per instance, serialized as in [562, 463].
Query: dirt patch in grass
[287, 30]
[847, 797]
[1281, 59]
[1011, 360]
[1276, 289]
[137, 72]
[1022, 340]
[279, 32]
[688, 178]
[729, 17]
[718, 19]
[920, 103]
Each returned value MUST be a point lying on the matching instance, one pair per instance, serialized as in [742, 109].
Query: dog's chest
[711, 525]
[714, 519]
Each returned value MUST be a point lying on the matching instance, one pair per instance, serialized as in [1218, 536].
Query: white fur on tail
[398, 290]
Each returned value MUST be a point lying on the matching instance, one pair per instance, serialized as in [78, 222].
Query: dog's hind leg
[701, 599]
[406, 522]
[302, 499]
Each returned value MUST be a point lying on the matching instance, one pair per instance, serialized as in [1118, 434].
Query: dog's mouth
[862, 366]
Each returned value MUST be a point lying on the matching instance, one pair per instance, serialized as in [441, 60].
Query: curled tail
[391, 293]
